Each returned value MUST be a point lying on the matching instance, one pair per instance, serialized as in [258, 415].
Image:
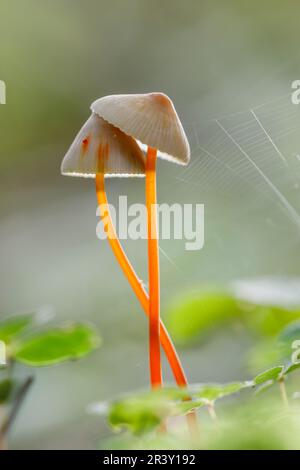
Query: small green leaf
[142, 412]
[291, 367]
[269, 320]
[139, 414]
[5, 390]
[135, 416]
[190, 405]
[271, 374]
[59, 345]
[12, 327]
[290, 333]
[200, 313]
[215, 391]
[286, 339]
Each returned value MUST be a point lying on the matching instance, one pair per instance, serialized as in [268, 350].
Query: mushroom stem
[137, 286]
[153, 268]
[135, 282]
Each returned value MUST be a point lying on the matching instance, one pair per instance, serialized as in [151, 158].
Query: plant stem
[3, 444]
[19, 399]
[283, 393]
[212, 411]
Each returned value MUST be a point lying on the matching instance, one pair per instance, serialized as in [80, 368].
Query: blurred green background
[215, 59]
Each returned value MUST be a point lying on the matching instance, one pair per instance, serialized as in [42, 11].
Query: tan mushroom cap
[99, 146]
[151, 119]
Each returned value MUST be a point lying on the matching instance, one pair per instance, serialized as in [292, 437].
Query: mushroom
[100, 150]
[152, 120]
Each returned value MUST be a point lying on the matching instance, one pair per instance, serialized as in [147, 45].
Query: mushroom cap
[99, 146]
[149, 118]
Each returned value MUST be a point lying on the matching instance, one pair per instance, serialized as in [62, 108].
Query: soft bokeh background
[215, 59]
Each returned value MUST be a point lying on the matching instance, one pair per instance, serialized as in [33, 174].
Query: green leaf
[190, 405]
[5, 390]
[142, 412]
[286, 339]
[12, 327]
[290, 333]
[139, 414]
[200, 313]
[59, 345]
[270, 320]
[275, 350]
[271, 374]
[214, 392]
[291, 367]
[135, 416]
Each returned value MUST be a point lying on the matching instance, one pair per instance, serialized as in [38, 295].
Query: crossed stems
[158, 332]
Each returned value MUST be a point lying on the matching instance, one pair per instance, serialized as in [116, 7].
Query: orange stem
[138, 288]
[135, 282]
[153, 268]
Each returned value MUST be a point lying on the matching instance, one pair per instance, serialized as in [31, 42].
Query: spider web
[250, 153]
[245, 168]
